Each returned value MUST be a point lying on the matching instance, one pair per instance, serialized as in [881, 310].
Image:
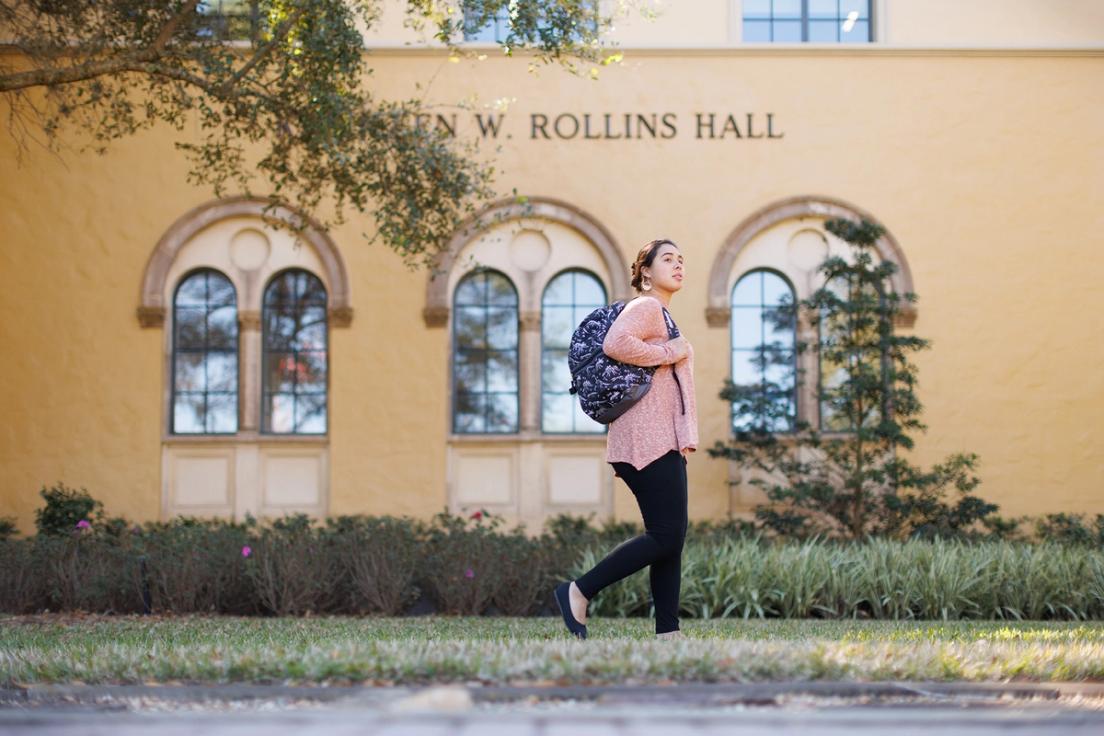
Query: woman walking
[647, 445]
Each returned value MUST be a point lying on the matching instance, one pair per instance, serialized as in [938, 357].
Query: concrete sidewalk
[777, 709]
[446, 697]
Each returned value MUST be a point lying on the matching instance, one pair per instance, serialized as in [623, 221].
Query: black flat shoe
[563, 600]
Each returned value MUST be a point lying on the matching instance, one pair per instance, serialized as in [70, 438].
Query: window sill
[527, 438]
[245, 438]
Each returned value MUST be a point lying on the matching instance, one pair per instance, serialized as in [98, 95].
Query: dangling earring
[647, 285]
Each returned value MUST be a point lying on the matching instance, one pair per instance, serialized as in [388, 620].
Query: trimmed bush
[196, 566]
[65, 508]
[464, 562]
[90, 571]
[470, 566]
[380, 557]
[529, 575]
[22, 579]
[294, 568]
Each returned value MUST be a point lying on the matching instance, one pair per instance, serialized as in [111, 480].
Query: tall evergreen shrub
[847, 479]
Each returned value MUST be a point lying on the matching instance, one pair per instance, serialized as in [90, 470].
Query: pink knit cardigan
[656, 424]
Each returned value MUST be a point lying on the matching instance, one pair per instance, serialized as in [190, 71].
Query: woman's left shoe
[676, 634]
[563, 600]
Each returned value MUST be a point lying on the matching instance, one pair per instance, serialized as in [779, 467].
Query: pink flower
[477, 515]
[469, 573]
[83, 524]
[247, 550]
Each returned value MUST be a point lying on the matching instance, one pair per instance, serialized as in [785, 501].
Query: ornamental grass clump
[879, 579]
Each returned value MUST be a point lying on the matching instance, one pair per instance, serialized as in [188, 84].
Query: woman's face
[666, 270]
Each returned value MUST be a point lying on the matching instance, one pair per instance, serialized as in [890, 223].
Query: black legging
[660, 490]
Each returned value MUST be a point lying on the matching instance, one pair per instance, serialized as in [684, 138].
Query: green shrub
[65, 508]
[22, 580]
[380, 557]
[530, 572]
[90, 571]
[570, 532]
[8, 528]
[197, 565]
[293, 568]
[1067, 528]
[846, 477]
[470, 566]
[464, 562]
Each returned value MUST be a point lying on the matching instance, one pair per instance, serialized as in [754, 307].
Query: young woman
[647, 445]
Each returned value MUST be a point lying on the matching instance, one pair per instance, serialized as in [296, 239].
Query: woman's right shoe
[563, 600]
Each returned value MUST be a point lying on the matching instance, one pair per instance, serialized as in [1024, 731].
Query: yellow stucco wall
[986, 169]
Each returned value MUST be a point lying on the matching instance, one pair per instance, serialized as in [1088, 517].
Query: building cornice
[779, 50]
[740, 50]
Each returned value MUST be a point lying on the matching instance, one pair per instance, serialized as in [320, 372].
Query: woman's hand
[681, 348]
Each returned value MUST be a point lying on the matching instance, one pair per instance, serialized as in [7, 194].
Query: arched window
[764, 356]
[295, 362]
[485, 354]
[568, 298]
[861, 355]
[205, 355]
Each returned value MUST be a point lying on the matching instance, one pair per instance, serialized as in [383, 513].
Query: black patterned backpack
[607, 388]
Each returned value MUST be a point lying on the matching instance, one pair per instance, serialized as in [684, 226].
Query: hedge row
[468, 565]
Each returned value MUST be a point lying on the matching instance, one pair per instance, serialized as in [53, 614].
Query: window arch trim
[151, 306]
[718, 310]
[438, 299]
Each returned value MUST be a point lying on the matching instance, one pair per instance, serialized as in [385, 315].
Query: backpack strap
[672, 328]
[673, 332]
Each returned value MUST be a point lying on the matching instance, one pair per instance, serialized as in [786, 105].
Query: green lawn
[136, 649]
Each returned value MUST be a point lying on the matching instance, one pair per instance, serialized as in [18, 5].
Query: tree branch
[170, 27]
[138, 63]
[144, 60]
[278, 34]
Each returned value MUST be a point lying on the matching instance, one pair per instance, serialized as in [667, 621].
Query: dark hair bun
[644, 258]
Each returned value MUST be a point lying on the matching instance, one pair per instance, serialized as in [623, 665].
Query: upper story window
[806, 21]
[496, 28]
[568, 298]
[205, 355]
[764, 357]
[230, 20]
[295, 354]
[485, 354]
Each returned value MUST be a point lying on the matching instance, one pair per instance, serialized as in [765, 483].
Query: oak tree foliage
[273, 97]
